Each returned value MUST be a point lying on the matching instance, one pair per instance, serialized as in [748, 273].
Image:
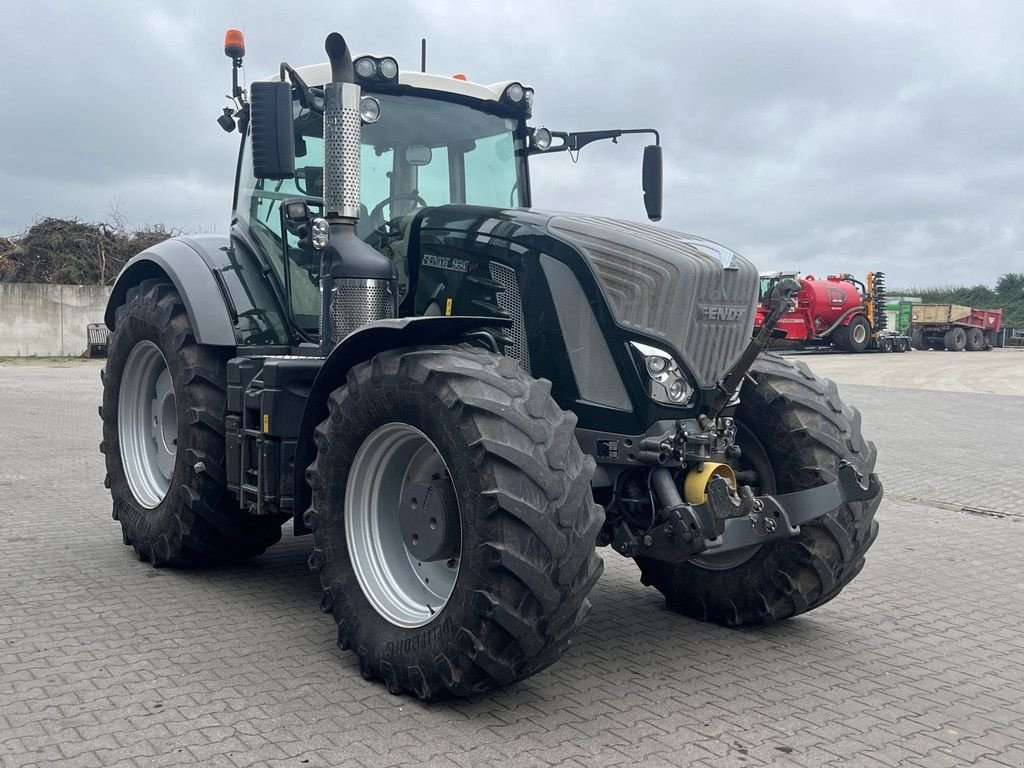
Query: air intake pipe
[358, 284]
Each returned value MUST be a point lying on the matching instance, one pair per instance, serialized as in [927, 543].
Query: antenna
[423, 55]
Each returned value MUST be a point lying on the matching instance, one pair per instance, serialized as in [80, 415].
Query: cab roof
[320, 74]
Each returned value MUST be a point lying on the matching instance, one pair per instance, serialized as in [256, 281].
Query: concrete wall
[38, 320]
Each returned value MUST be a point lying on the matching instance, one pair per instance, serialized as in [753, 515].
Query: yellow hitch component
[695, 486]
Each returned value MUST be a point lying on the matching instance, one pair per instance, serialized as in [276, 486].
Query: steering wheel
[377, 219]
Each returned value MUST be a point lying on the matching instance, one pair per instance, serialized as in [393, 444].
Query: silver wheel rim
[147, 424]
[383, 515]
[859, 333]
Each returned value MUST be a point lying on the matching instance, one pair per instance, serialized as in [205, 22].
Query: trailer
[839, 311]
[954, 327]
[897, 313]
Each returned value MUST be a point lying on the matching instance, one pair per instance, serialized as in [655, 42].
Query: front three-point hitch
[727, 521]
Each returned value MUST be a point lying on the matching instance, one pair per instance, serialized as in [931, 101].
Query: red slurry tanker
[840, 311]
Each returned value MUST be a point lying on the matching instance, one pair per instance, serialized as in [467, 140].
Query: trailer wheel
[975, 341]
[955, 339]
[886, 344]
[163, 438]
[855, 336]
[917, 340]
[797, 431]
[453, 523]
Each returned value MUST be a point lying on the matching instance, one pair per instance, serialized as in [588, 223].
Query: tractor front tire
[955, 339]
[803, 430]
[975, 340]
[917, 340]
[163, 438]
[453, 523]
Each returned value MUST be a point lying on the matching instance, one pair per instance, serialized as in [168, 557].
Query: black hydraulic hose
[846, 314]
[781, 298]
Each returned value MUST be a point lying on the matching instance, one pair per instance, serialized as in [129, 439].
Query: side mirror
[418, 154]
[652, 178]
[273, 145]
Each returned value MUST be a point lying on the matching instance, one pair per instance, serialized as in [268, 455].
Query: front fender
[359, 347]
[181, 261]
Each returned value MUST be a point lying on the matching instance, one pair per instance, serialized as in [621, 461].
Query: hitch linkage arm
[782, 298]
[726, 522]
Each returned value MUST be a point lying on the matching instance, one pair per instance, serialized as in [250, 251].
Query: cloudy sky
[819, 136]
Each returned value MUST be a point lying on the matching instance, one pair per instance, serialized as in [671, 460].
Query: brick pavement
[106, 661]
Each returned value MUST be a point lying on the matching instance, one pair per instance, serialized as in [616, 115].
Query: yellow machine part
[868, 302]
[695, 486]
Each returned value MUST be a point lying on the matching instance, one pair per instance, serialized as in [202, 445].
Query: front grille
[511, 303]
[356, 302]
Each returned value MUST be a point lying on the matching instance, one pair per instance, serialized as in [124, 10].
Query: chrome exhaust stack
[358, 284]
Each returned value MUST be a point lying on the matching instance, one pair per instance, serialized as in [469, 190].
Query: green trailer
[897, 312]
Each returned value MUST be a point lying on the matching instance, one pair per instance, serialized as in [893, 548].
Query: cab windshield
[420, 152]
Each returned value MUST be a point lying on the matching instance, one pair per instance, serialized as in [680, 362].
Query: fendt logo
[721, 313]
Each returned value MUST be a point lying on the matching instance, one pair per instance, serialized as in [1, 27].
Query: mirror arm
[301, 89]
[575, 141]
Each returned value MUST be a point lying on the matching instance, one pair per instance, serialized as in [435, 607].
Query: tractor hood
[579, 288]
[697, 296]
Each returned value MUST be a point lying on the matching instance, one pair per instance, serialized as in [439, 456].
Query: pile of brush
[71, 251]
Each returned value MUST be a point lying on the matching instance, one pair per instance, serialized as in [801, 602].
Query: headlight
[320, 234]
[656, 364]
[371, 68]
[540, 138]
[369, 109]
[388, 68]
[366, 67]
[666, 382]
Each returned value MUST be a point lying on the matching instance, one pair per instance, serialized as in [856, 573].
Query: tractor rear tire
[517, 486]
[804, 430]
[171, 502]
[975, 340]
[917, 340]
[955, 339]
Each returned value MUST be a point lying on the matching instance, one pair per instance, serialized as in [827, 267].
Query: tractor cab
[768, 280]
[425, 141]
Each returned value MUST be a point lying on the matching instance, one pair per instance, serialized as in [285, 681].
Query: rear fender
[359, 347]
[180, 261]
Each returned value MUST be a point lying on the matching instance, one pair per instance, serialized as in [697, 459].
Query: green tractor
[458, 397]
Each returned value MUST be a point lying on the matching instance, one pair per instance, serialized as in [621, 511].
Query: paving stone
[106, 661]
